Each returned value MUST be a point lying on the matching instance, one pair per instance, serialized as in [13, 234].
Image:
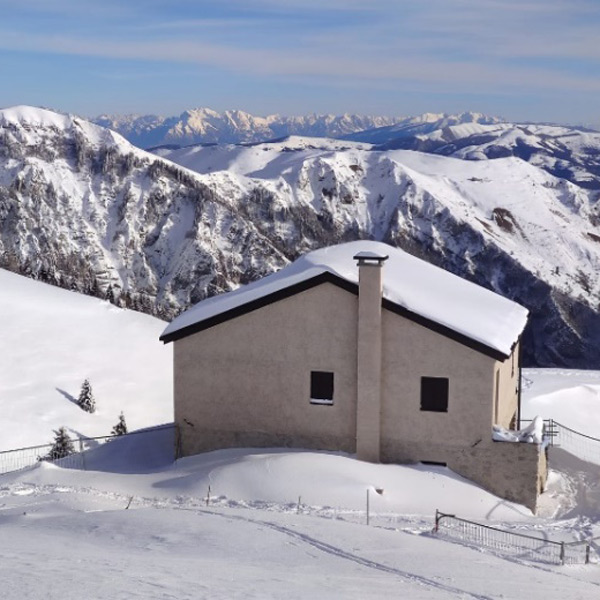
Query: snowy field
[51, 340]
[277, 524]
[568, 396]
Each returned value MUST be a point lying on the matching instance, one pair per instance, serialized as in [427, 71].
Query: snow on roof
[410, 283]
[369, 255]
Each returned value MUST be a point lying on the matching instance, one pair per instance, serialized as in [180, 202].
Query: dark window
[321, 387]
[434, 394]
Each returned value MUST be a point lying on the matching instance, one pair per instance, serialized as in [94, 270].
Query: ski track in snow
[342, 554]
[580, 527]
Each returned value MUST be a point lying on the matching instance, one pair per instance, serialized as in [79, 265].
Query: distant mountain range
[568, 152]
[83, 208]
[206, 126]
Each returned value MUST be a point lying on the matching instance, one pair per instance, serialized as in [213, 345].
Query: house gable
[248, 381]
[328, 277]
[247, 307]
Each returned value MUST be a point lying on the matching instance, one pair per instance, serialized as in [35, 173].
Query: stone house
[361, 348]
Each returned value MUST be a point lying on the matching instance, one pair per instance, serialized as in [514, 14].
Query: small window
[434, 394]
[321, 387]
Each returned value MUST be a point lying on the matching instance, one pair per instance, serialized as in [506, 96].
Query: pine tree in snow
[62, 446]
[121, 427]
[86, 398]
[110, 294]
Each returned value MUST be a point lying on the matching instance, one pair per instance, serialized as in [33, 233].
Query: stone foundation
[513, 471]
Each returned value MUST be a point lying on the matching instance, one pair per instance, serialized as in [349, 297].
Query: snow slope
[566, 152]
[570, 397]
[52, 340]
[100, 551]
[66, 533]
[252, 539]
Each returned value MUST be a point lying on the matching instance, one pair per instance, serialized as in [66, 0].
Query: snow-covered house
[362, 348]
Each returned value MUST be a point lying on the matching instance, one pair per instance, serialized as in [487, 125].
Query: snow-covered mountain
[424, 124]
[495, 222]
[206, 126]
[81, 206]
[567, 152]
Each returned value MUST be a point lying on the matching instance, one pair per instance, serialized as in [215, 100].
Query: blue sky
[523, 60]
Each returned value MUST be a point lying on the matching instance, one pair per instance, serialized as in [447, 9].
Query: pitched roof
[413, 286]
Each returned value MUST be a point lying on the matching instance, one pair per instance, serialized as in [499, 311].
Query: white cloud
[465, 74]
[451, 45]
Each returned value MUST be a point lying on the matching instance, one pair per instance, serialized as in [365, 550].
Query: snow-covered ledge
[532, 434]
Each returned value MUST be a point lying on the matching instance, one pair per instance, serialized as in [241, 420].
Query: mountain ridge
[204, 125]
[83, 208]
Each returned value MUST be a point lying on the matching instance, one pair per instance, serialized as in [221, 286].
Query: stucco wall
[508, 392]
[246, 382]
[410, 351]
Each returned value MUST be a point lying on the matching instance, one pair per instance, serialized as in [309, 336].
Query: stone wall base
[513, 471]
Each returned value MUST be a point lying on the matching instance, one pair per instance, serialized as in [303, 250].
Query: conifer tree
[121, 427]
[110, 294]
[86, 398]
[62, 445]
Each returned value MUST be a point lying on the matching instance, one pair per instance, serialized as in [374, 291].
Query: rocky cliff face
[81, 207]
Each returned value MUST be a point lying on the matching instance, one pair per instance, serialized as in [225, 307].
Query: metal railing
[582, 446]
[510, 543]
[21, 458]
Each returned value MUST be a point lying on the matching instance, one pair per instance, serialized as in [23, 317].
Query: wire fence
[582, 446]
[511, 544]
[22, 458]
[578, 444]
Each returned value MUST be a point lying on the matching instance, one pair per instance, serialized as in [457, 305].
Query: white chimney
[368, 408]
